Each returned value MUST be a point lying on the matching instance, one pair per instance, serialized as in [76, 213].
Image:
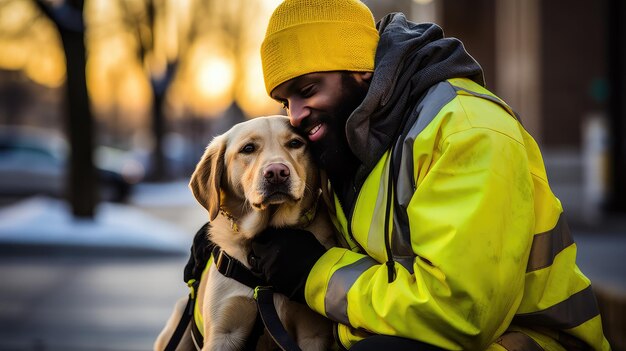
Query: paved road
[86, 303]
[57, 298]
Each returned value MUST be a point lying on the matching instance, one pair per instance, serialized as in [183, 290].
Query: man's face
[318, 105]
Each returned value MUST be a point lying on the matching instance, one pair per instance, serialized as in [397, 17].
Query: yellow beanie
[305, 36]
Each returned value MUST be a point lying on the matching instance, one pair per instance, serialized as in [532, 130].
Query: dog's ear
[206, 179]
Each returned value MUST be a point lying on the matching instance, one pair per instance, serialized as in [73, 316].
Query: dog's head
[260, 166]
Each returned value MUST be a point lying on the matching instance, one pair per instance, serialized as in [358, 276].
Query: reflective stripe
[435, 99]
[197, 312]
[491, 98]
[375, 240]
[567, 314]
[547, 245]
[518, 341]
[336, 299]
[427, 109]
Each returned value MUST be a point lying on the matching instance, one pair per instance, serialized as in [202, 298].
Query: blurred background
[107, 105]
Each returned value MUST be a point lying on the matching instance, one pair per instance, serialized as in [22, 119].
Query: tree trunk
[81, 180]
[159, 170]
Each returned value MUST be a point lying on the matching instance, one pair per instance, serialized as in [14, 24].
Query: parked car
[35, 162]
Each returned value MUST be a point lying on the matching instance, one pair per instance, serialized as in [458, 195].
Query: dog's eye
[248, 149]
[295, 143]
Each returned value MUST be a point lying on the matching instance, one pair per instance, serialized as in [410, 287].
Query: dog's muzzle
[277, 183]
[276, 173]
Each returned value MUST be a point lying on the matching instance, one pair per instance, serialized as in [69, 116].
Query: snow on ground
[175, 193]
[45, 221]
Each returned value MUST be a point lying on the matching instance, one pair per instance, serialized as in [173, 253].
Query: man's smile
[317, 132]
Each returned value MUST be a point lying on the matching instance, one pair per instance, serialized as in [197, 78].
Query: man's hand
[284, 257]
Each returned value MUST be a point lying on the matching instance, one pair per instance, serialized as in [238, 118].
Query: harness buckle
[229, 265]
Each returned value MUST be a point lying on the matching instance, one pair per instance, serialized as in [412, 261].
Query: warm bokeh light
[15, 14]
[204, 81]
[134, 95]
[212, 70]
[251, 94]
[214, 78]
[29, 42]
[254, 99]
[118, 84]
[13, 54]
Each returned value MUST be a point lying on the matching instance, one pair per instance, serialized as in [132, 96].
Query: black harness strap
[200, 254]
[231, 267]
[182, 326]
[264, 297]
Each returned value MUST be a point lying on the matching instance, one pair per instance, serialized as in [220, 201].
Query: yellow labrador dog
[257, 174]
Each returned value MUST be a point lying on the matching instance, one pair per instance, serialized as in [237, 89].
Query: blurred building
[547, 59]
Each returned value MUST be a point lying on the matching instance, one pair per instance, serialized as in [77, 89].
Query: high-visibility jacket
[481, 255]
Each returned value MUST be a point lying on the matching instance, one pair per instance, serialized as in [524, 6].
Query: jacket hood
[410, 58]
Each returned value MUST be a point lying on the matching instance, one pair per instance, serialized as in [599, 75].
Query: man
[454, 239]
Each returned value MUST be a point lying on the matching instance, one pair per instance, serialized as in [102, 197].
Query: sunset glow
[209, 78]
[214, 77]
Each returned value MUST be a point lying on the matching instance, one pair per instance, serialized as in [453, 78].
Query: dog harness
[204, 253]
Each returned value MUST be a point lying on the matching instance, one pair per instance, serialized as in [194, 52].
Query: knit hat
[305, 36]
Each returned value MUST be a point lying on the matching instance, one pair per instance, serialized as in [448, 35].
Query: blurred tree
[82, 182]
[144, 21]
[150, 63]
[233, 22]
[225, 25]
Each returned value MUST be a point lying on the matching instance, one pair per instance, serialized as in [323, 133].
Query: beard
[332, 152]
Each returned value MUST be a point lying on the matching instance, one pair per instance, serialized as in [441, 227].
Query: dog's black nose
[276, 173]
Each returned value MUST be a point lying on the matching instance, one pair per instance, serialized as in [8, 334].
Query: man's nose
[297, 113]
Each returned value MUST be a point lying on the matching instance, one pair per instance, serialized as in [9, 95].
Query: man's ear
[362, 77]
[206, 179]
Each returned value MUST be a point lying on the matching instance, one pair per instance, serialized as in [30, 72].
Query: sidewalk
[104, 285]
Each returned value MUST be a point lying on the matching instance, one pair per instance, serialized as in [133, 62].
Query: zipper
[390, 263]
[391, 269]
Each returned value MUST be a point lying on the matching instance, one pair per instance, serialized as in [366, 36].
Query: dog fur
[257, 174]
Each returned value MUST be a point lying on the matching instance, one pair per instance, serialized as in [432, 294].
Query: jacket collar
[410, 58]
